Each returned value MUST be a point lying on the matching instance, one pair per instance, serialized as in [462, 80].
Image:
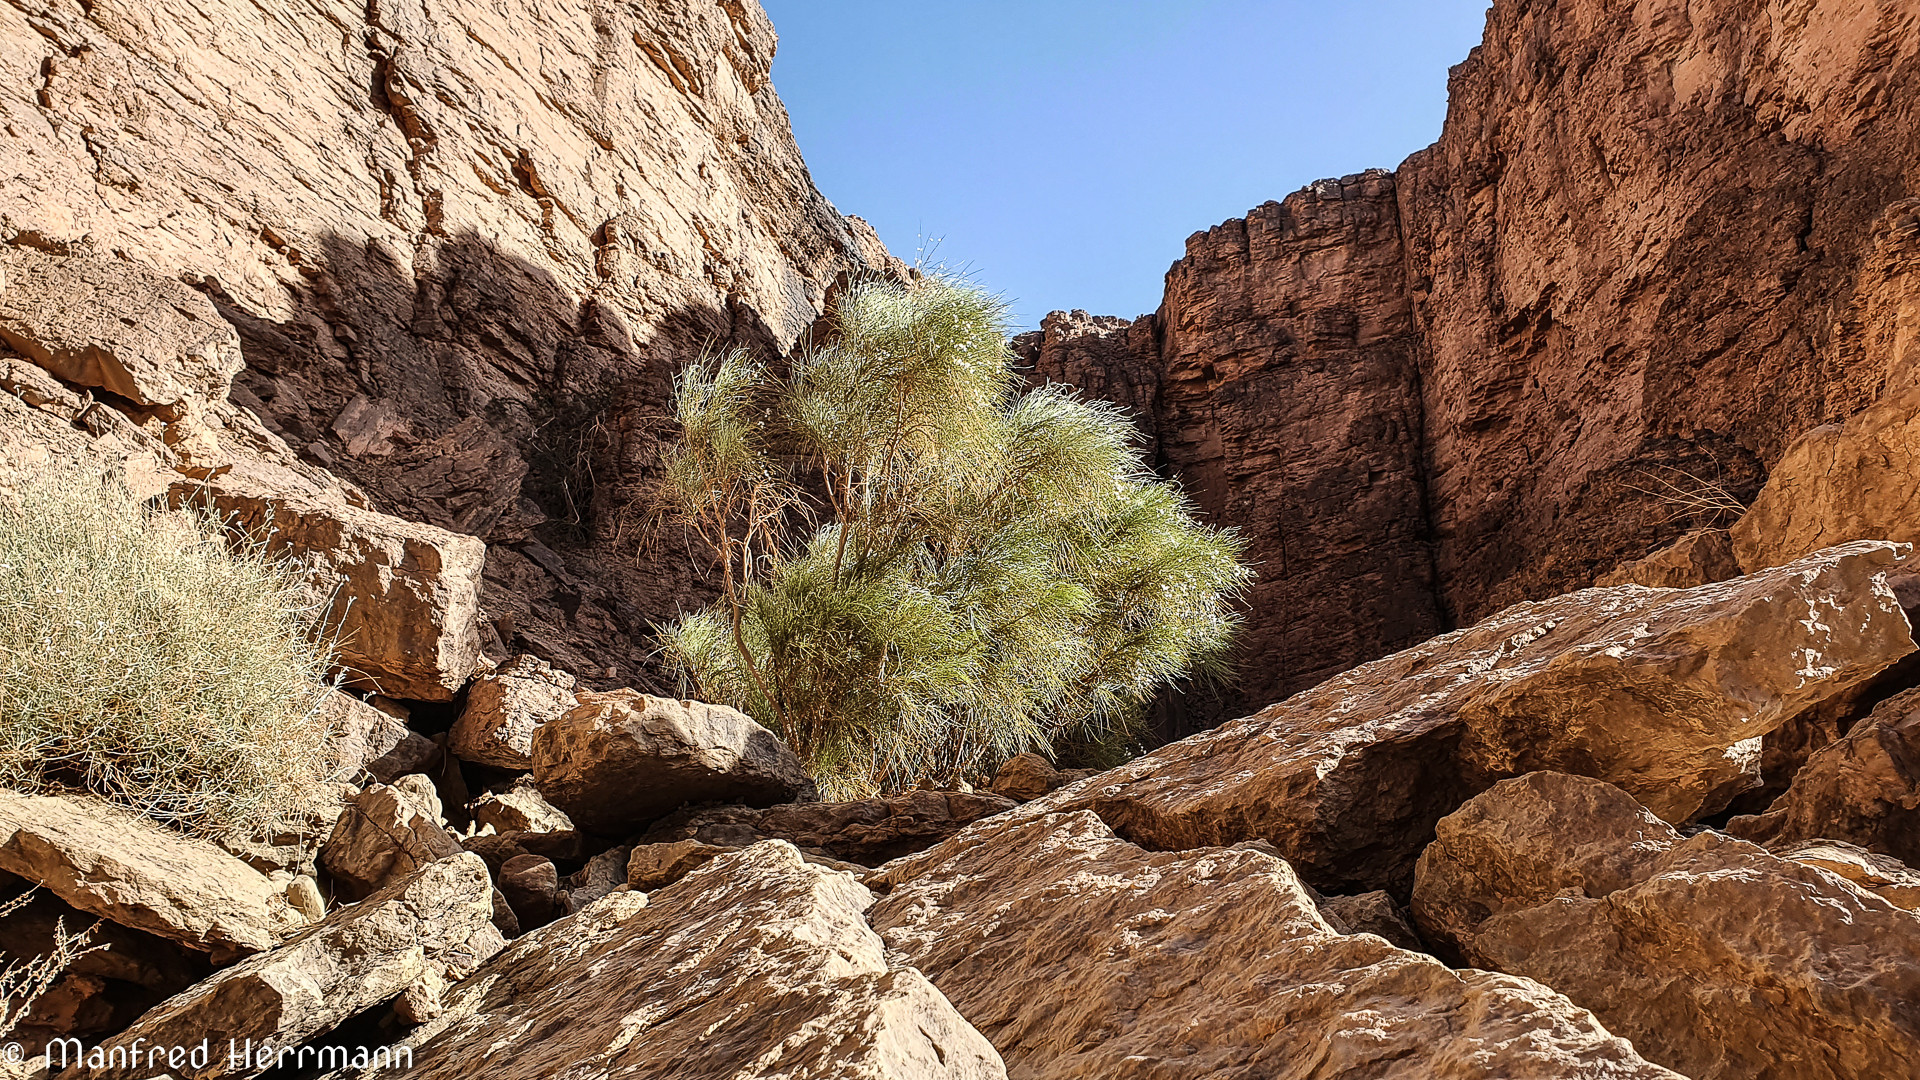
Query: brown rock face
[464, 244]
[384, 834]
[1864, 789]
[1081, 955]
[756, 965]
[1667, 693]
[864, 831]
[1701, 557]
[496, 726]
[1278, 382]
[1716, 958]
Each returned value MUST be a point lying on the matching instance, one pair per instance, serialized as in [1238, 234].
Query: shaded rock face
[865, 831]
[1863, 789]
[464, 245]
[1079, 954]
[763, 963]
[1278, 383]
[1667, 693]
[1713, 956]
[1701, 557]
[1654, 244]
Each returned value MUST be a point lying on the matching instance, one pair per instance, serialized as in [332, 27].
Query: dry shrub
[147, 660]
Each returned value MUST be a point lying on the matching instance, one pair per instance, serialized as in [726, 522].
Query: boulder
[1717, 958]
[1025, 777]
[401, 598]
[1701, 557]
[119, 327]
[1863, 788]
[754, 966]
[566, 849]
[601, 875]
[1081, 955]
[532, 888]
[129, 871]
[1839, 482]
[368, 739]
[503, 709]
[519, 808]
[1371, 913]
[1666, 692]
[865, 831]
[622, 759]
[1886, 877]
[655, 866]
[383, 834]
[414, 937]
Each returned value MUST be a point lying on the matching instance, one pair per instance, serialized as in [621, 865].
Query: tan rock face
[134, 873]
[1082, 955]
[620, 760]
[1371, 913]
[385, 834]
[1864, 789]
[1665, 693]
[1701, 557]
[1026, 776]
[1715, 958]
[499, 228]
[496, 727]
[764, 963]
[368, 739]
[1884, 876]
[429, 929]
[117, 327]
[864, 831]
[1840, 482]
[520, 808]
[403, 597]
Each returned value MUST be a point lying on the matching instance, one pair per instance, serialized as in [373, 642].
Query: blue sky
[1063, 150]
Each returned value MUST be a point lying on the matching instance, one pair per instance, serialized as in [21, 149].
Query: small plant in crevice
[924, 570]
[563, 453]
[25, 981]
[149, 659]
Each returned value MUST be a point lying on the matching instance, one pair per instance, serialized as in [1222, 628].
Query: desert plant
[147, 659]
[22, 982]
[923, 569]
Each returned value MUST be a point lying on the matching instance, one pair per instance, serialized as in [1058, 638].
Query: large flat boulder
[401, 598]
[416, 937]
[757, 965]
[129, 871]
[119, 327]
[1839, 482]
[1717, 958]
[1666, 693]
[1864, 789]
[1082, 955]
[622, 759]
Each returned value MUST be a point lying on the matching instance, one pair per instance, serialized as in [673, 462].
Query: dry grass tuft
[146, 660]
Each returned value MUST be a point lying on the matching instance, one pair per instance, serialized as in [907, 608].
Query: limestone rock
[384, 834]
[128, 871]
[622, 759]
[432, 927]
[1701, 557]
[601, 875]
[566, 849]
[503, 709]
[864, 831]
[368, 739]
[1716, 958]
[1884, 876]
[655, 866]
[404, 597]
[1079, 954]
[1864, 789]
[762, 962]
[519, 808]
[1371, 913]
[1666, 693]
[1025, 777]
[1839, 482]
[118, 327]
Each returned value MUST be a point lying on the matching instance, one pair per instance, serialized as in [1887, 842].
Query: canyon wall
[1655, 242]
[465, 245]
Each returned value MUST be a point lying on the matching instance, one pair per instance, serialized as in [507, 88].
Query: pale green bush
[148, 660]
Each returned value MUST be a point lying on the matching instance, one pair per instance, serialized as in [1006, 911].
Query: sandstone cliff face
[464, 244]
[1654, 244]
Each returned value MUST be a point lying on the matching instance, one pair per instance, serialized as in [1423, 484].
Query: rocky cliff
[464, 245]
[1654, 244]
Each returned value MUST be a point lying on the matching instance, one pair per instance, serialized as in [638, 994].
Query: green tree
[923, 569]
